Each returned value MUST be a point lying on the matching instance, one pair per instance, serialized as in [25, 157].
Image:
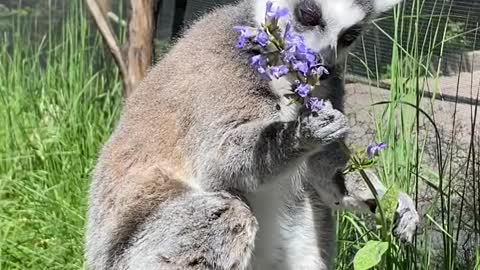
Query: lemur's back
[201, 70]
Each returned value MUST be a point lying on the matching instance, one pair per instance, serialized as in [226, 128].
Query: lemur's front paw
[325, 127]
[360, 197]
[407, 218]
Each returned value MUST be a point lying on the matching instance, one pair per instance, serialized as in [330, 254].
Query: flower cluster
[284, 53]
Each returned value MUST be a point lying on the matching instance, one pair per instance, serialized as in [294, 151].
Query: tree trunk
[105, 6]
[136, 55]
[139, 53]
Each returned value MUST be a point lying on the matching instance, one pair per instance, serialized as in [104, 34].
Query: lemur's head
[329, 27]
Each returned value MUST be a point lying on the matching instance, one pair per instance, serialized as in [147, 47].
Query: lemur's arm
[253, 153]
[351, 192]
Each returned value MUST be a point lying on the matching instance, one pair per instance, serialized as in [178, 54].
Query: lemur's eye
[308, 13]
[349, 36]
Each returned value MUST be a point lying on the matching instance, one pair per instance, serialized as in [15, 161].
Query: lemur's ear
[384, 5]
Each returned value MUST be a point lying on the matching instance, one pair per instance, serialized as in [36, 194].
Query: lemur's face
[330, 27]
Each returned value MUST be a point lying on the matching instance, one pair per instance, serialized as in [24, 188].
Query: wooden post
[136, 55]
[140, 39]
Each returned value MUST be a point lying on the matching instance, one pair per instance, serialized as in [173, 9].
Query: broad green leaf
[389, 203]
[370, 255]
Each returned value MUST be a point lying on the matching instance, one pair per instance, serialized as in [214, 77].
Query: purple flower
[288, 56]
[259, 63]
[288, 31]
[241, 43]
[274, 15]
[309, 56]
[296, 45]
[302, 53]
[374, 149]
[293, 41]
[303, 90]
[320, 71]
[279, 71]
[297, 51]
[245, 33]
[315, 105]
[295, 56]
[262, 38]
[301, 67]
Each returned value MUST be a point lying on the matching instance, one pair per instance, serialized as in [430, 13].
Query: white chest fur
[288, 236]
[289, 230]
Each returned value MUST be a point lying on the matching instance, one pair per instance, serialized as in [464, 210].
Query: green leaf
[389, 204]
[370, 255]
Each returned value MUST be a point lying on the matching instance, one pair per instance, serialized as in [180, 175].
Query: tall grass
[58, 103]
[60, 98]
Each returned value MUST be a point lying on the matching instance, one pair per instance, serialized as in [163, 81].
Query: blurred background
[61, 93]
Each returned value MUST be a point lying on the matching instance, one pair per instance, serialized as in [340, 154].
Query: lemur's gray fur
[209, 168]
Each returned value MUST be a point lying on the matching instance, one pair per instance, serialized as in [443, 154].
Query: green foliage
[373, 253]
[359, 161]
[455, 35]
[57, 105]
[370, 255]
[387, 208]
[477, 264]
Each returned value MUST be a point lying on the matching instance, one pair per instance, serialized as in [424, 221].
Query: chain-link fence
[455, 21]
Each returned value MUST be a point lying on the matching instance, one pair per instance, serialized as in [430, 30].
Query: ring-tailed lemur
[212, 168]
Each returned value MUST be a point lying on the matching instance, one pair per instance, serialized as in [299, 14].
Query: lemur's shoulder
[201, 82]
